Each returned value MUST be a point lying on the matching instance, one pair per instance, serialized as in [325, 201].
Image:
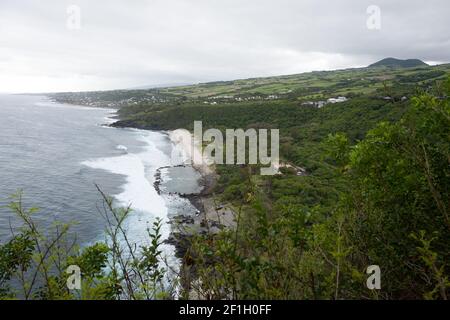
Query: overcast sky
[123, 44]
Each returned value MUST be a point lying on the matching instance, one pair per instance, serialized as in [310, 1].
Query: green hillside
[311, 86]
[398, 63]
[364, 181]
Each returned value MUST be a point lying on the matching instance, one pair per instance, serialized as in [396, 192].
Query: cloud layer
[123, 44]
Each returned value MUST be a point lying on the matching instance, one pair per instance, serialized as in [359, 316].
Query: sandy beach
[191, 149]
[212, 215]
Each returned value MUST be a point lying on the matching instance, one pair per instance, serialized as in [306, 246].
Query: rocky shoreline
[209, 218]
[185, 226]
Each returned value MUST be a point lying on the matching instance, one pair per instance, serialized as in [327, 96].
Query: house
[337, 100]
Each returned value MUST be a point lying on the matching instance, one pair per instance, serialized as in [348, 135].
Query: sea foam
[138, 191]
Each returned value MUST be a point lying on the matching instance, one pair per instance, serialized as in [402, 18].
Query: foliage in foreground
[37, 265]
[392, 211]
[383, 200]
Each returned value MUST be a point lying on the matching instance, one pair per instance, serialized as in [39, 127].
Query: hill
[364, 164]
[398, 63]
[304, 87]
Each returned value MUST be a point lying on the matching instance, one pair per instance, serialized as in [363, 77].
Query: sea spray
[138, 191]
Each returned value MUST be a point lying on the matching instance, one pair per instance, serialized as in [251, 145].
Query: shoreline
[185, 226]
[211, 216]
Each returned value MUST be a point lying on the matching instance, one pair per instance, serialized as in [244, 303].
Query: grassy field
[365, 181]
[319, 85]
[362, 80]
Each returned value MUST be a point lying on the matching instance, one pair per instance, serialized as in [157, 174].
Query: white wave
[138, 191]
[122, 148]
[165, 176]
[50, 103]
[110, 118]
[45, 104]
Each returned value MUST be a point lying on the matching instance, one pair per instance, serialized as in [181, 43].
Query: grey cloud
[133, 43]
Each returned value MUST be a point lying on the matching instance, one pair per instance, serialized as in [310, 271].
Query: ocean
[56, 154]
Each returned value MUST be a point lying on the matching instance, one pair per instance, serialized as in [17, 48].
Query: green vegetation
[318, 85]
[381, 201]
[35, 264]
[375, 191]
[398, 63]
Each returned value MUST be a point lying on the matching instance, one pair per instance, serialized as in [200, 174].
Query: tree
[398, 206]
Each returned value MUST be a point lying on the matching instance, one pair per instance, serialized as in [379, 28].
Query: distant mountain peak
[398, 63]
